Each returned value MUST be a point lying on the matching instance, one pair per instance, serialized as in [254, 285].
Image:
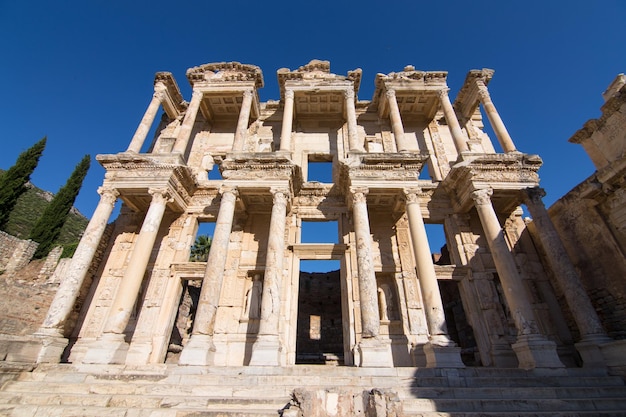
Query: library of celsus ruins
[502, 292]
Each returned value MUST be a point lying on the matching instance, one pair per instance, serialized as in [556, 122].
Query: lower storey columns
[373, 351]
[533, 350]
[111, 346]
[200, 349]
[591, 330]
[266, 350]
[65, 297]
[440, 350]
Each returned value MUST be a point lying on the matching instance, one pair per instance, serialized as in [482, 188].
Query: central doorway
[319, 331]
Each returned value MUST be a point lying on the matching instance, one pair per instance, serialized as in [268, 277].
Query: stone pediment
[317, 72]
[225, 72]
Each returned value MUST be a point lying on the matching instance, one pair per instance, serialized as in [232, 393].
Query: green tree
[49, 225]
[13, 181]
[200, 249]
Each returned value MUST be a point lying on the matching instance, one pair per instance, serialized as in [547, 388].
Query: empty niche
[320, 168]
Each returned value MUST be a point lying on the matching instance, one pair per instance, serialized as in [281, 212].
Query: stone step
[414, 405]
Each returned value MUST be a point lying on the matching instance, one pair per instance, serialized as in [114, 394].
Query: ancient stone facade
[406, 158]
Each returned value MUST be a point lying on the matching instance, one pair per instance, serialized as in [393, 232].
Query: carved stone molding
[482, 197]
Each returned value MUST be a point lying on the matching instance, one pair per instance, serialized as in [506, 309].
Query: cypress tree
[49, 225]
[13, 181]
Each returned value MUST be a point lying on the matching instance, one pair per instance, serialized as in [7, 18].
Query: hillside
[31, 205]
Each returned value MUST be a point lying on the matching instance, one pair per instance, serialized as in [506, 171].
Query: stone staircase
[307, 390]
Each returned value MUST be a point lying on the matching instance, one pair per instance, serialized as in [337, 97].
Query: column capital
[534, 195]
[197, 95]
[231, 190]
[483, 91]
[289, 93]
[159, 87]
[443, 92]
[108, 195]
[247, 93]
[482, 197]
[412, 194]
[359, 194]
[280, 194]
[161, 195]
[390, 93]
[349, 93]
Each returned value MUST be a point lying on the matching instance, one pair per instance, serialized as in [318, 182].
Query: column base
[443, 356]
[535, 351]
[199, 351]
[266, 351]
[53, 344]
[139, 352]
[375, 353]
[110, 348]
[590, 351]
[614, 353]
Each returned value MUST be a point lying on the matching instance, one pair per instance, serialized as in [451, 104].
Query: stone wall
[15, 253]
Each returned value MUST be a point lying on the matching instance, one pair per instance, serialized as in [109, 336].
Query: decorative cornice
[220, 72]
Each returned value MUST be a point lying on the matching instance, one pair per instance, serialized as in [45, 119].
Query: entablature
[467, 99]
[173, 102]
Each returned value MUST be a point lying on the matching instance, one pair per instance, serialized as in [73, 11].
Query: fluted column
[242, 122]
[396, 122]
[591, 331]
[148, 118]
[368, 290]
[266, 350]
[68, 290]
[187, 126]
[494, 118]
[532, 349]
[121, 308]
[200, 348]
[353, 134]
[285, 133]
[453, 123]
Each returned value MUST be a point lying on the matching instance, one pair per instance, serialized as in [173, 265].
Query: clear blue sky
[81, 72]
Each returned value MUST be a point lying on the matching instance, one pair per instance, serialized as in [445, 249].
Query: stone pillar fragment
[440, 350]
[266, 349]
[453, 123]
[591, 331]
[111, 346]
[187, 126]
[373, 351]
[353, 134]
[146, 122]
[66, 295]
[396, 122]
[533, 350]
[242, 122]
[200, 349]
[285, 133]
[494, 118]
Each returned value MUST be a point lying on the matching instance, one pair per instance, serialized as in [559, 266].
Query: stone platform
[310, 391]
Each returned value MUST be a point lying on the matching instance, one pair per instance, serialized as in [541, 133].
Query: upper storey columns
[148, 119]
[285, 134]
[396, 121]
[187, 126]
[494, 118]
[453, 123]
[242, 122]
[353, 135]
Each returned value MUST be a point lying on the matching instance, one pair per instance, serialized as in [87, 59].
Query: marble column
[353, 134]
[200, 349]
[148, 118]
[70, 286]
[187, 125]
[396, 122]
[532, 348]
[591, 331]
[242, 122]
[285, 133]
[458, 137]
[266, 350]
[440, 351]
[494, 118]
[111, 346]
[373, 351]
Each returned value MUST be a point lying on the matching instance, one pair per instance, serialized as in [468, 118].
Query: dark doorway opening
[320, 332]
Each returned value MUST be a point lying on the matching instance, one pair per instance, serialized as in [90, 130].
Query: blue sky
[81, 72]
